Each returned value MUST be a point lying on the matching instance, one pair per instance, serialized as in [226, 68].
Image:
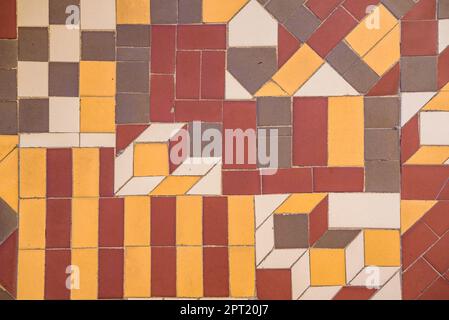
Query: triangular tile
[412, 102]
[388, 84]
[234, 90]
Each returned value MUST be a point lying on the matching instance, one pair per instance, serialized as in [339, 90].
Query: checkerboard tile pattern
[96, 95]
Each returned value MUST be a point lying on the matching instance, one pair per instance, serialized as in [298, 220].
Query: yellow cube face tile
[242, 273]
[137, 221]
[189, 266]
[33, 174]
[189, 220]
[327, 267]
[241, 220]
[133, 11]
[430, 155]
[32, 221]
[301, 203]
[137, 272]
[439, 102]
[382, 248]
[9, 177]
[271, 89]
[97, 79]
[412, 211]
[151, 159]
[221, 11]
[86, 172]
[87, 262]
[84, 223]
[31, 275]
[175, 185]
[7, 144]
[97, 115]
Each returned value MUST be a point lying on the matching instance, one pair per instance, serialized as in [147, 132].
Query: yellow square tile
[98, 115]
[97, 79]
[175, 185]
[382, 248]
[327, 267]
[133, 11]
[151, 159]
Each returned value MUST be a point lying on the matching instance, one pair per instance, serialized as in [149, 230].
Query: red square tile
[111, 222]
[163, 272]
[8, 19]
[216, 272]
[274, 284]
[110, 273]
[438, 218]
[443, 68]
[423, 182]
[415, 242]
[423, 10]
[318, 221]
[163, 221]
[419, 38]
[439, 290]
[438, 255]
[58, 223]
[416, 279]
[56, 263]
[287, 45]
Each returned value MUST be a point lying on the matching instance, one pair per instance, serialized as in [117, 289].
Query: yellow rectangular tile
[189, 220]
[133, 11]
[298, 69]
[382, 248]
[301, 203]
[346, 132]
[84, 223]
[175, 185]
[241, 220]
[215, 11]
[97, 115]
[87, 262]
[86, 172]
[31, 275]
[137, 272]
[242, 272]
[151, 159]
[97, 78]
[189, 268]
[33, 173]
[137, 221]
[32, 219]
[327, 267]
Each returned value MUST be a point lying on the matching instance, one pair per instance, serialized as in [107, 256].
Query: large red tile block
[358, 7]
[323, 8]
[443, 68]
[111, 222]
[416, 241]
[288, 44]
[215, 221]
[215, 272]
[56, 263]
[107, 172]
[8, 257]
[423, 10]
[332, 31]
[199, 110]
[8, 23]
[162, 88]
[416, 279]
[241, 182]
[197, 37]
[213, 74]
[294, 180]
[438, 255]
[419, 38]
[410, 141]
[163, 272]
[110, 273]
[338, 179]
[439, 290]
[163, 221]
[437, 218]
[274, 284]
[59, 173]
[163, 46]
[58, 223]
[188, 65]
[310, 131]
[423, 182]
[354, 293]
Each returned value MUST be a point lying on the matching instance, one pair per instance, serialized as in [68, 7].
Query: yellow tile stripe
[84, 223]
[32, 217]
[33, 172]
[242, 272]
[189, 266]
[189, 220]
[86, 172]
[241, 225]
[87, 262]
[31, 275]
[137, 221]
[137, 272]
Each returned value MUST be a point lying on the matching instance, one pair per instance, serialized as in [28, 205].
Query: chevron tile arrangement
[124, 173]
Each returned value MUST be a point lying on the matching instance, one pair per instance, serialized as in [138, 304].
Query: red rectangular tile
[338, 179]
[162, 95]
[415, 242]
[241, 182]
[188, 65]
[215, 221]
[310, 131]
[419, 38]
[332, 31]
[163, 46]
[56, 263]
[106, 172]
[216, 272]
[274, 284]
[59, 173]
[358, 8]
[294, 180]
[8, 23]
[163, 272]
[111, 222]
[8, 256]
[416, 279]
[194, 37]
[110, 273]
[195, 110]
[58, 223]
[423, 182]
[323, 8]
[213, 74]
[443, 68]
[163, 221]
[318, 221]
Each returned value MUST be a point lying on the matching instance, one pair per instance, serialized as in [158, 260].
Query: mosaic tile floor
[96, 96]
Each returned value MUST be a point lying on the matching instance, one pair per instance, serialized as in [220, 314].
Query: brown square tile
[132, 108]
[302, 23]
[361, 76]
[33, 44]
[133, 77]
[8, 54]
[382, 112]
[342, 57]
[272, 111]
[57, 10]
[419, 74]
[63, 79]
[443, 9]
[98, 46]
[133, 54]
[282, 9]
[133, 35]
[382, 144]
[33, 115]
[291, 231]
[382, 176]
[164, 11]
[284, 150]
[190, 11]
[419, 38]
[8, 119]
[8, 87]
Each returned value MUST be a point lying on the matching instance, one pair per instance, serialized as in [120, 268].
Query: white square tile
[98, 14]
[32, 13]
[64, 114]
[64, 44]
[32, 79]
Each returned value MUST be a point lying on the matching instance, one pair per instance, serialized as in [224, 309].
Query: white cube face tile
[64, 44]
[98, 15]
[64, 114]
[32, 13]
[32, 79]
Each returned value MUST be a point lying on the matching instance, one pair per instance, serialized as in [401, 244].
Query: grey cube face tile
[361, 77]
[342, 57]
[263, 2]
[382, 176]
[443, 9]
[197, 152]
[8, 87]
[190, 11]
[133, 54]
[8, 54]
[164, 11]
[283, 153]
[57, 10]
[133, 77]
[33, 115]
[291, 231]
[33, 44]
[133, 35]
[382, 112]
[302, 23]
[132, 108]
[98, 46]
[63, 79]
[8, 118]
[282, 9]
[399, 7]
[419, 74]
[382, 144]
[337, 239]
[273, 111]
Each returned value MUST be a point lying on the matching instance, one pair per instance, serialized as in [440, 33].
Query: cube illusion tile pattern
[95, 97]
